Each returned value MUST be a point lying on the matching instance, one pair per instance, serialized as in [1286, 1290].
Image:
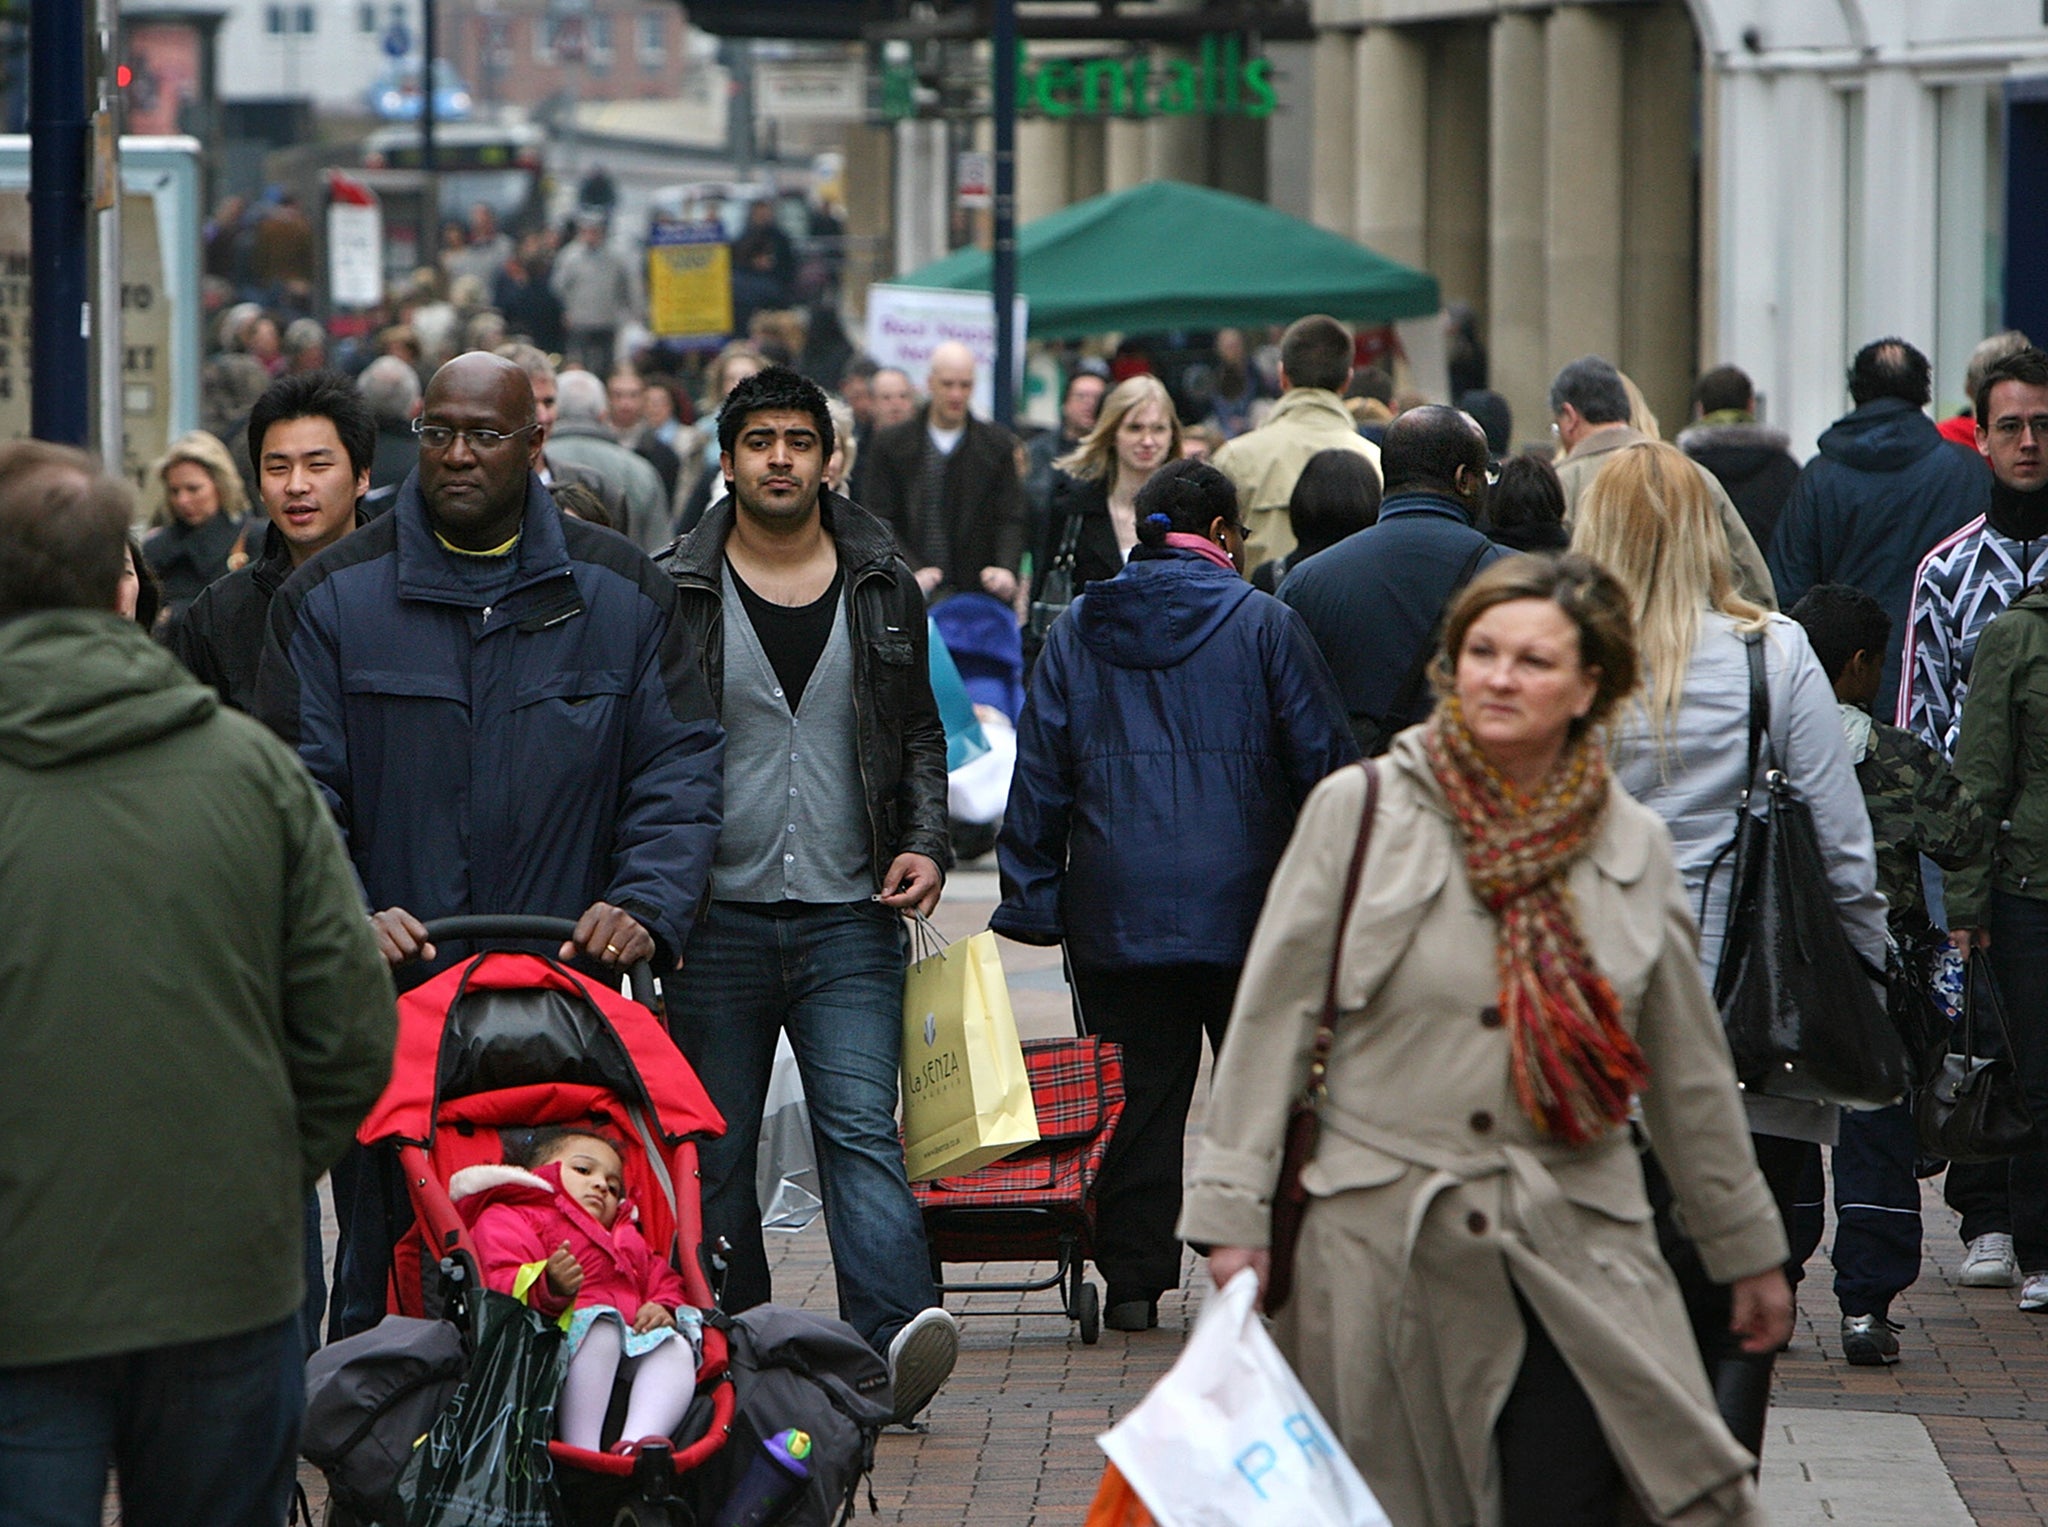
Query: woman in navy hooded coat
[1175, 723]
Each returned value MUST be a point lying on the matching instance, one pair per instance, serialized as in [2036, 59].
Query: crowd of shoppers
[560, 633]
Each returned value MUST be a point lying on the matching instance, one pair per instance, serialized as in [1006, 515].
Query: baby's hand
[565, 1273]
[653, 1317]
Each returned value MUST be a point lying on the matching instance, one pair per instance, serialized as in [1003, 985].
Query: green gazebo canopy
[1166, 255]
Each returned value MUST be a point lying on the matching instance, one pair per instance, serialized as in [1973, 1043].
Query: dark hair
[1724, 389]
[1490, 411]
[1316, 352]
[774, 388]
[581, 500]
[1589, 595]
[550, 1142]
[1096, 373]
[1840, 622]
[859, 369]
[1593, 387]
[1374, 382]
[1337, 493]
[63, 529]
[149, 588]
[1525, 506]
[2028, 366]
[1424, 448]
[1187, 496]
[1890, 368]
[316, 395]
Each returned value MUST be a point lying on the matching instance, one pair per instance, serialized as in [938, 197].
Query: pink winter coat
[517, 1217]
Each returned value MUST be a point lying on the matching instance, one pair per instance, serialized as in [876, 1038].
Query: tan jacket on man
[1264, 463]
[1577, 471]
[1434, 1200]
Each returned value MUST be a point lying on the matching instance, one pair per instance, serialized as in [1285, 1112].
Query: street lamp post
[1003, 265]
[59, 129]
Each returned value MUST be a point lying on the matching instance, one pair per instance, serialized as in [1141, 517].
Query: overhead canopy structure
[1166, 255]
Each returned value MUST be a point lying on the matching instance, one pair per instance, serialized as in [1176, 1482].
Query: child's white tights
[663, 1382]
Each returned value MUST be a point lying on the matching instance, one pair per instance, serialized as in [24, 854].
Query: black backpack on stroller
[369, 1400]
[793, 1368]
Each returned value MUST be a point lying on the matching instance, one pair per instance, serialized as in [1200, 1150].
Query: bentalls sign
[1218, 82]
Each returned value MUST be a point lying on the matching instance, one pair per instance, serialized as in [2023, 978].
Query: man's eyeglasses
[438, 437]
[2009, 428]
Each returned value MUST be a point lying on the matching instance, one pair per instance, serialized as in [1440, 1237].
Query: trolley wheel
[1089, 1314]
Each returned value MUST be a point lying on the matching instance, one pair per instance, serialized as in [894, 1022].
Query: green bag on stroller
[486, 1458]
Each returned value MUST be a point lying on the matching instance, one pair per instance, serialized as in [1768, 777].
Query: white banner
[355, 255]
[906, 323]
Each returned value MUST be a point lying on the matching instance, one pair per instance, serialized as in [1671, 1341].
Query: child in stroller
[558, 1231]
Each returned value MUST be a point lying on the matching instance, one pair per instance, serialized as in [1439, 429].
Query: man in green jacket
[194, 1017]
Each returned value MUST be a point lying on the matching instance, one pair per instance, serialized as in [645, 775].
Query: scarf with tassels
[1575, 1068]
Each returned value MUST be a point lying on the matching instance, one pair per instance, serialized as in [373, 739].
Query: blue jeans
[833, 977]
[205, 1434]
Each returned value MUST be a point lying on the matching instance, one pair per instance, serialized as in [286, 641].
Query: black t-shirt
[793, 637]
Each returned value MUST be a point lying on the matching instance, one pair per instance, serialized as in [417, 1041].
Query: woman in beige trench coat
[1480, 1308]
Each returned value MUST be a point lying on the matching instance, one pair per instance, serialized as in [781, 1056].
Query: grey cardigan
[1694, 782]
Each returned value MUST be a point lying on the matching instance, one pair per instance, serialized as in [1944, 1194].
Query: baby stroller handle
[495, 927]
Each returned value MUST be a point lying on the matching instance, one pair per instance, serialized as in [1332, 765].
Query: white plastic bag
[786, 1167]
[979, 789]
[1229, 1438]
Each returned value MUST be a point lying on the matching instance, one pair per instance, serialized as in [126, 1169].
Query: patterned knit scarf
[1575, 1067]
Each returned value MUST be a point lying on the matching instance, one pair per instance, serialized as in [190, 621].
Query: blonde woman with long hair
[198, 511]
[1681, 748]
[1095, 485]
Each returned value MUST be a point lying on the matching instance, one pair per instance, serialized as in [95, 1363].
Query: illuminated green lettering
[1260, 99]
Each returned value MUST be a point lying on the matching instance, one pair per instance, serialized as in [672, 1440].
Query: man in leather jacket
[811, 632]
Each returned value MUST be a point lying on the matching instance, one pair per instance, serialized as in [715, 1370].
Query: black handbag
[1973, 1108]
[1054, 589]
[1802, 1017]
[1920, 1019]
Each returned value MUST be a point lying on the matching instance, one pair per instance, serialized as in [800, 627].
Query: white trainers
[2034, 1292]
[921, 1359]
[1988, 1262]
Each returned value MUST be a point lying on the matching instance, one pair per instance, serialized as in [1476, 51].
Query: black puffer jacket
[1754, 464]
[220, 640]
[902, 742]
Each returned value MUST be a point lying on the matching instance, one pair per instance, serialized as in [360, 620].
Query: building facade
[508, 53]
[1674, 184]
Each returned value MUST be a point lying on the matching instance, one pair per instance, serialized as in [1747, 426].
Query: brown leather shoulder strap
[1326, 1027]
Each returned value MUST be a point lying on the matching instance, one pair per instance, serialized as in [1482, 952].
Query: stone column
[1897, 229]
[1123, 153]
[1392, 150]
[1455, 214]
[1333, 189]
[1087, 166]
[1517, 281]
[1583, 128]
[1043, 180]
[869, 183]
[1659, 337]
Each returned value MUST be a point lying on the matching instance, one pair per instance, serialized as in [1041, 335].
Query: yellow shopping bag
[966, 1094]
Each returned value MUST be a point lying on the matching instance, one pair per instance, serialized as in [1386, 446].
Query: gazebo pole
[1003, 272]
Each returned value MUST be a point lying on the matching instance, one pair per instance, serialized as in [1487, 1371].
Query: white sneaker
[2034, 1292]
[921, 1359]
[1988, 1262]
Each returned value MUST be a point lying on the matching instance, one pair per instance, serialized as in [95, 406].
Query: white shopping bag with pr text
[1229, 1438]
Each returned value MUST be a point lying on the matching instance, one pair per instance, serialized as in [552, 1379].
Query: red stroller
[1039, 1203]
[505, 1043]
